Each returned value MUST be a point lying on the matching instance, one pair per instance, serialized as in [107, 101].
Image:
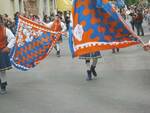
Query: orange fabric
[3, 39]
[105, 1]
[82, 51]
[56, 26]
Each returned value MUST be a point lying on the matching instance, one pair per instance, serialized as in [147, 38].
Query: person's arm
[49, 24]
[10, 39]
[63, 26]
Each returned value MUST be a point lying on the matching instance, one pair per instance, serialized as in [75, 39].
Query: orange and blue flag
[33, 43]
[97, 26]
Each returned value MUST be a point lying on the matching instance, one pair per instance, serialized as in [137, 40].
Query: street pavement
[58, 85]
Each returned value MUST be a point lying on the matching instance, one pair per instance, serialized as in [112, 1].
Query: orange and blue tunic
[4, 58]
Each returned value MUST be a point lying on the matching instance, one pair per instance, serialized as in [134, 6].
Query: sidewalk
[146, 34]
[146, 28]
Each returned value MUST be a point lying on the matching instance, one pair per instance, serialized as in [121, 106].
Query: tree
[130, 2]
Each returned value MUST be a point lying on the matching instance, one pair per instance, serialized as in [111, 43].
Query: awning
[64, 5]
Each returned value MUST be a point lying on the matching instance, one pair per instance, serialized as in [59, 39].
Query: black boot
[89, 76]
[58, 53]
[3, 88]
[113, 50]
[93, 70]
[117, 49]
[0, 82]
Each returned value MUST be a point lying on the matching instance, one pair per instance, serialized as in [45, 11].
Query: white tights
[88, 64]
[57, 46]
[3, 76]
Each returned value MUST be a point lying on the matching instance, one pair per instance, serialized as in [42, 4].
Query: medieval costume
[97, 26]
[57, 26]
[91, 66]
[7, 41]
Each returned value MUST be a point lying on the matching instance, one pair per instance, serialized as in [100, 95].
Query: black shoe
[3, 92]
[93, 70]
[3, 88]
[58, 53]
[113, 50]
[89, 76]
[117, 49]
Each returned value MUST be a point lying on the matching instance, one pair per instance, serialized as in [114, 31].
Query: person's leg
[132, 25]
[58, 49]
[141, 28]
[138, 29]
[113, 50]
[0, 80]
[89, 76]
[3, 81]
[55, 47]
[93, 66]
[117, 49]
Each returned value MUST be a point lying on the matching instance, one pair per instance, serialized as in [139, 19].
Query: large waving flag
[120, 3]
[33, 43]
[97, 26]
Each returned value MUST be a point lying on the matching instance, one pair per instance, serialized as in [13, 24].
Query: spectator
[138, 23]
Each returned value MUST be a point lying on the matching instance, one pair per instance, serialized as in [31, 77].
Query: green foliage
[130, 2]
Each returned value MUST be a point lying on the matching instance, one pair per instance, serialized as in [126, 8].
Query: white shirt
[10, 38]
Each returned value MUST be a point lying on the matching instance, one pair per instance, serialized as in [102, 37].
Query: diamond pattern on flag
[33, 43]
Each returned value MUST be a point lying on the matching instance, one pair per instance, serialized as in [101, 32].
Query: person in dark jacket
[138, 23]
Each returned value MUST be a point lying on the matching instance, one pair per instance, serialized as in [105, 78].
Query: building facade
[11, 6]
[37, 7]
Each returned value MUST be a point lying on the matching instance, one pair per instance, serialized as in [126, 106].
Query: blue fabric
[99, 3]
[98, 26]
[4, 61]
[71, 41]
[120, 3]
[34, 43]
[96, 54]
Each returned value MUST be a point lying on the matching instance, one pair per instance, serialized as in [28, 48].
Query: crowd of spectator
[136, 15]
[11, 23]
